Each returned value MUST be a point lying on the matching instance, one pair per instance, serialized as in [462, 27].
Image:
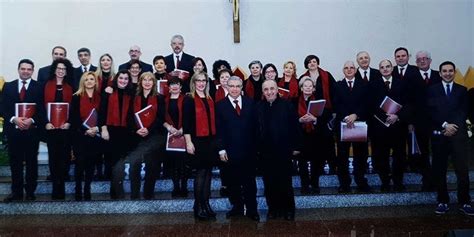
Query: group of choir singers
[276, 128]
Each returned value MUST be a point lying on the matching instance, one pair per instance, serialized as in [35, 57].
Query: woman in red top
[199, 131]
[222, 92]
[84, 113]
[289, 81]
[115, 128]
[58, 90]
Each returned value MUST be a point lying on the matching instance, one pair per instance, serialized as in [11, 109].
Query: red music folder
[91, 120]
[181, 74]
[144, 117]
[284, 93]
[58, 113]
[162, 87]
[175, 143]
[316, 107]
[26, 110]
[356, 134]
[389, 106]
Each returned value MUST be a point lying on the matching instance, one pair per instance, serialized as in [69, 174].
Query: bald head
[349, 70]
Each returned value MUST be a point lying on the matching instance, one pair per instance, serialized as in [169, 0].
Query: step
[218, 203]
[166, 185]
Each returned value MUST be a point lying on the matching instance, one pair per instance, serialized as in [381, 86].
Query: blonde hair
[82, 88]
[98, 72]
[192, 84]
[293, 64]
[140, 87]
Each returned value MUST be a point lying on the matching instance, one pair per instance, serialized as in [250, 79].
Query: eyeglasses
[423, 59]
[61, 68]
[270, 71]
[201, 81]
[234, 86]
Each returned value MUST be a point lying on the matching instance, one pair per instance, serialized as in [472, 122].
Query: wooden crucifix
[236, 20]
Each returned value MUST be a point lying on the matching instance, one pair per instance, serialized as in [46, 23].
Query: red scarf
[202, 125]
[99, 80]
[180, 110]
[151, 100]
[325, 82]
[249, 89]
[220, 94]
[293, 87]
[302, 110]
[87, 104]
[113, 117]
[50, 92]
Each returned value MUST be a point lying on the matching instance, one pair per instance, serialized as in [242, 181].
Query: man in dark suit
[22, 132]
[135, 52]
[420, 114]
[365, 71]
[403, 70]
[235, 125]
[178, 59]
[350, 102]
[84, 56]
[388, 134]
[447, 102]
[43, 73]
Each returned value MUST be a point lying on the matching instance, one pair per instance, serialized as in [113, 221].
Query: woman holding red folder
[289, 81]
[58, 89]
[174, 126]
[84, 113]
[114, 123]
[199, 131]
[148, 110]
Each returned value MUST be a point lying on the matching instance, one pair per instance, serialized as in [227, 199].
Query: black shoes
[234, 212]
[13, 198]
[253, 216]
[344, 189]
[30, 197]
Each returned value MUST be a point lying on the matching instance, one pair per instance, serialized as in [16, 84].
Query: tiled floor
[375, 221]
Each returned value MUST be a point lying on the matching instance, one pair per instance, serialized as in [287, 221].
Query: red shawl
[87, 104]
[50, 92]
[325, 82]
[202, 125]
[293, 87]
[220, 94]
[302, 110]
[249, 89]
[113, 116]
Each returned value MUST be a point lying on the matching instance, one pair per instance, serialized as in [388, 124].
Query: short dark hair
[81, 50]
[216, 65]
[223, 71]
[174, 80]
[400, 48]
[134, 61]
[59, 47]
[27, 61]
[447, 63]
[255, 62]
[309, 58]
[158, 57]
[270, 65]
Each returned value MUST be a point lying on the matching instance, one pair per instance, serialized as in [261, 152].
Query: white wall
[271, 30]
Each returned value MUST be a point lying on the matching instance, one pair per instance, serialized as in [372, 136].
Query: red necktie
[177, 62]
[237, 107]
[401, 73]
[350, 85]
[427, 79]
[365, 76]
[23, 91]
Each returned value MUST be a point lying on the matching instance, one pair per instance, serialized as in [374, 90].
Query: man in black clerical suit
[388, 134]
[178, 59]
[447, 102]
[23, 132]
[420, 114]
[351, 105]
[365, 71]
[43, 73]
[235, 125]
[84, 56]
[135, 52]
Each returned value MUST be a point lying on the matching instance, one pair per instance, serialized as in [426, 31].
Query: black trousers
[457, 148]
[242, 186]
[59, 156]
[119, 144]
[360, 152]
[23, 148]
[88, 151]
[420, 163]
[278, 183]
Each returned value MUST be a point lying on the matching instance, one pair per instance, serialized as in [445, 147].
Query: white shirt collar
[20, 84]
[238, 99]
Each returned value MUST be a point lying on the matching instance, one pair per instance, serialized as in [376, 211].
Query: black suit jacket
[420, 109]
[374, 73]
[11, 95]
[43, 74]
[236, 134]
[145, 66]
[451, 110]
[348, 102]
[185, 63]
[78, 74]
